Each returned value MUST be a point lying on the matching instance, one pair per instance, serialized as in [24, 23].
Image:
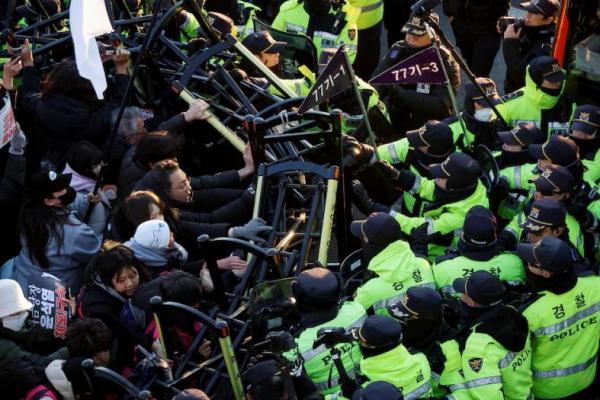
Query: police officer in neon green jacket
[420, 311]
[563, 317]
[477, 250]
[583, 130]
[396, 267]
[328, 23]
[369, 25]
[496, 357]
[541, 101]
[317, 292]
[242, 13]
[446, 199]
[385, 358]
[480, 121]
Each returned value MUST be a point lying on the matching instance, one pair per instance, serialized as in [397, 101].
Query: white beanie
[12, 300]
[154, 234]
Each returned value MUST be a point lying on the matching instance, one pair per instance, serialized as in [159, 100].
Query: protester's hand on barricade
[357, 153]
[26, 54]
[512, 33]
[403, 178]
[231, 262]
[251, 230]
[205, 349]
[122, 58]
[248, 168]
[198, 110]
[93, 198]
[12, 68]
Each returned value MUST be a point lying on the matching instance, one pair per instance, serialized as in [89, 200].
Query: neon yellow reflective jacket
[371, 12]
[397, 269]
[565, 335]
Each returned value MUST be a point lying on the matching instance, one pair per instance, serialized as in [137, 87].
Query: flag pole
[361, 103]
[436, 45]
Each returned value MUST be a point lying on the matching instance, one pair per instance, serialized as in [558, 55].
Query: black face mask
[419, 333]
[586, 146]
[317, 7]
[68, 197]
[369, 251]
[551, 92]
[427, 159]
[510, 158]
[448, 196]
[468, 313]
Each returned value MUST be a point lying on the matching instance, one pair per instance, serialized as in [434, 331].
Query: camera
[504, 22]
[332, 336]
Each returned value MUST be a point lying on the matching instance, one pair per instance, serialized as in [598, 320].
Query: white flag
[88, 19]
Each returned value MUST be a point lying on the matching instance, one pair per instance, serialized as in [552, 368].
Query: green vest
[565, 335]
[506, 266]
[460, 139]
[394, 152]
[398, 269]
[494, 373]
[408, 372]
[318, 362]
[527, 104]
[247, 27]
[448, 218]
[189, 29]
[293, 18]
[371, 12]
[575, 232]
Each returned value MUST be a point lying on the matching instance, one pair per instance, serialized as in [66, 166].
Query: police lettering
[521, 359]
[344, 348]
[398, 286]
[574, 329]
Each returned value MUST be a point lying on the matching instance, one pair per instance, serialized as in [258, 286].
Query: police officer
[385, 358]
[541, 101]
[412, 105]
[424, 330]
[317, 292]
[531, 38]
[428, 145]
[563, 319]
[396, 266]
[446, 199]
[548, 217]
[481, 122]
[474, 26]
[515, 144]
[376, 233]
[583, 130]
[477, 250]
[329, 23]
[242, 13]
[369, 25]
[553, 189]
[496, 357]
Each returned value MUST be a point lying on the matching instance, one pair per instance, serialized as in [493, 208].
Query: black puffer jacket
[476, 17]
[508, 327]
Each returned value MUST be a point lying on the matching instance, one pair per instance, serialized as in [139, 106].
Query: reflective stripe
[415, 188]
[295, 28]
[381, 304]
[429, 222]
[311, 353]
[518, 177]
[393, 153]
[490, 380]
[505, 362]
[325, 35]
[418, 392]
[457, 386]
[333, 382]
[371, 7]
[549, 330]
[298, 88]
[553, 373]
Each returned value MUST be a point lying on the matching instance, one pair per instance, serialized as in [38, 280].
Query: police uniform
[412, 105]
[563, 320]
[586, 119]
[534, 41]
[477, 250]
[550, 113]
[317, 292]
[496, 357]
[328, 31]
[443, 211]
[522, 136]
[386, 359]
[369, 24]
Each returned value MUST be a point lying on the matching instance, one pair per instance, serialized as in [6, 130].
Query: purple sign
[423, 67]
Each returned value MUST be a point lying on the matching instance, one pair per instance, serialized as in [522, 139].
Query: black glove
[358, 153]
[403, 178]
[348, 388]
[362, 200]
[418, 240]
